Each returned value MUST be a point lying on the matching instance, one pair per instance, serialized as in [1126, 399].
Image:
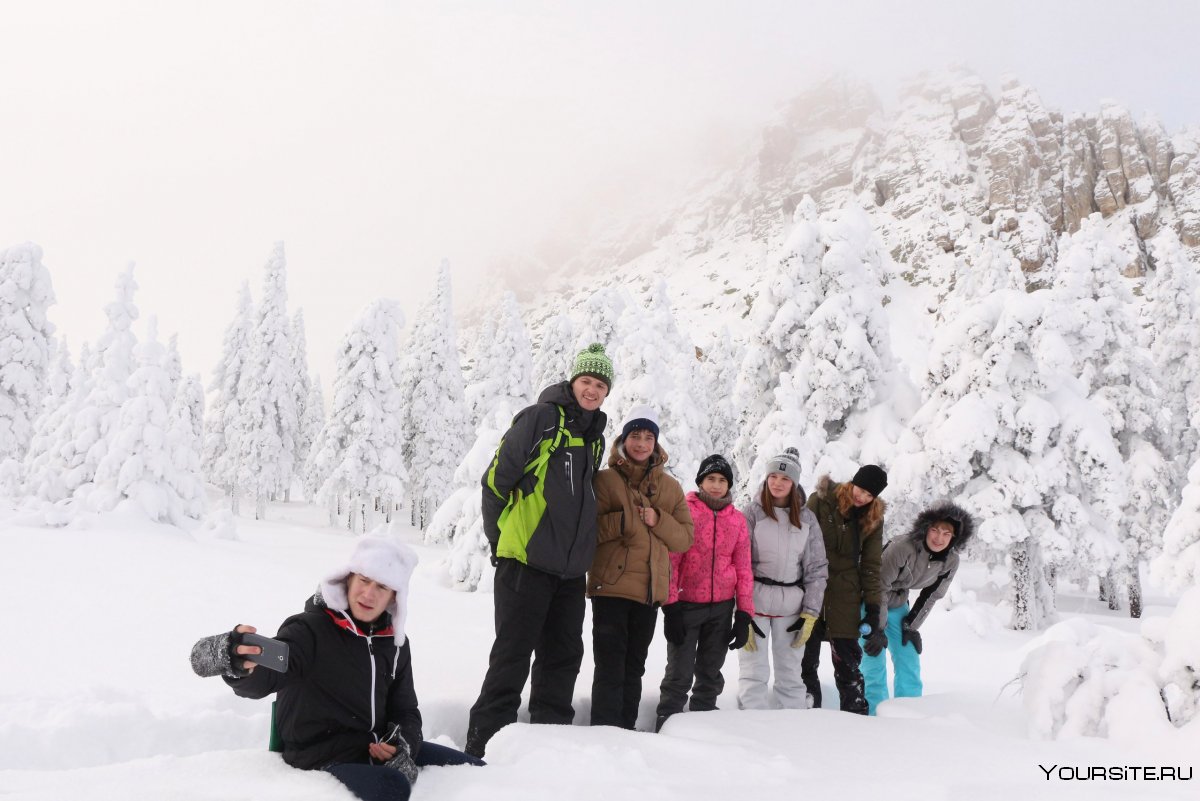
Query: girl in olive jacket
[851, 519]
[643, 515]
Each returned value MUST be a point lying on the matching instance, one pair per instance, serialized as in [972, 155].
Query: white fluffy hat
[382, 559]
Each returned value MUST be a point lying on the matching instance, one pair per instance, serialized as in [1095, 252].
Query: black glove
[403, 760]
[217, 656]
[876, 641]
[673, 627]
[742, 623]
[910, 635]
[871, 619]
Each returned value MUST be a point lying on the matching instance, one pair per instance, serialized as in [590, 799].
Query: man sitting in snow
[346, 703]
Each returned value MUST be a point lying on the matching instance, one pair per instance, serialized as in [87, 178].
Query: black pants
[540, 615]
[696, 664]
[380, 783]
[847, 656]
[621, 633]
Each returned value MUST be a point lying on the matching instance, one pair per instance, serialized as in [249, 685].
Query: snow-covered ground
[98, 700]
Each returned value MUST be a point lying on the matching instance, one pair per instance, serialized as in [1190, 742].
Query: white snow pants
[754, 669]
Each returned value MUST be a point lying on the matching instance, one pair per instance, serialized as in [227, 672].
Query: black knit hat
[715, 464]
[870, 477]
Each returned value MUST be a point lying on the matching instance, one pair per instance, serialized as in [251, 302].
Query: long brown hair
[794, 505]
[871, 518]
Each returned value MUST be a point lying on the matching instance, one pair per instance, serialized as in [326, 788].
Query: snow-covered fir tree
[46, 461]
[356, 456]
[986, 433]
[504, 383]
[601, 313]
[174, 363]
[718, 377]
[26, 340]
[188, 408]
[149, 462]
[267, 445]
[834, 398]
[312, 422]
[300, 391]
[85, 444]
[435, 422]
[476, 379]
[225, 424]
[1177, 567]
[556, 352]
[1107, 400]
[657, 366]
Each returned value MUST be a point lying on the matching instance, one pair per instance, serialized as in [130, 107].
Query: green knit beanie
[594, 362]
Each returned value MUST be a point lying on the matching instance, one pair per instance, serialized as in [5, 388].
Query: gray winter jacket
[909, 565]
[792, 559]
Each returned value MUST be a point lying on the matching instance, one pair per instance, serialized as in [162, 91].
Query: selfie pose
[926, 559]
[345, 697]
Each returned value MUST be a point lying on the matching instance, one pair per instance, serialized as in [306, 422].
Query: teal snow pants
[906, 663]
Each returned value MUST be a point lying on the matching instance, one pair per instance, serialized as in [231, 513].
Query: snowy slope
[99, 701]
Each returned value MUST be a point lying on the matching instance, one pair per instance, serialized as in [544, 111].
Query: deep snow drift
[98, 701]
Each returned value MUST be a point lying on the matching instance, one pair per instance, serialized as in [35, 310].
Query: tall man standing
[539, 514]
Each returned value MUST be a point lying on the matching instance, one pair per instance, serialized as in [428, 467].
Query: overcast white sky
[376, 138]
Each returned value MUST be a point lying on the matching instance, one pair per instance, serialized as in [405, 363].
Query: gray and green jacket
[908, 564]
[562, 541]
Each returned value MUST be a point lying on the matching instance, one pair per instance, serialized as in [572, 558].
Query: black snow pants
[847, 656]
[621, 633]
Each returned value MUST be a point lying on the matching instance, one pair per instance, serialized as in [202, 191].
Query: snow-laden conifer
[437, 431]
[312, 423]
[657, 366]
[601, 313]
[833, 397]
[718, 375]
[188, 408]
[26, 339]
[149, 461]
[300, 391]
[504, 388]
[1178, 566]
[225, 423]
[267, 448]
[356, 456]
[556, 352]
[46, 462]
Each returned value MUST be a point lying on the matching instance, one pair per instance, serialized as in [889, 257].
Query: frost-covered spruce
[825, 333]
[312, 423]
[555, 353]
[504, 388]
[718, 375]
[173, 362]
[26, 339]
[1178, 566]
[1108, 402]
[356, 456]
[225, 423]
[437, 431]
[986, 433]
[300, 392]
[266, 451]
[92, 428]
[46, 463]
[150, 461]
[658, 366]
[601, 313]
[188, 409]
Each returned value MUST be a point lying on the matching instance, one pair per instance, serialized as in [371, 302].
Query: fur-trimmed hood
[382, 559]
[964, 524]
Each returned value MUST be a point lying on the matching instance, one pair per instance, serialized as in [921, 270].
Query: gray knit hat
[787, 463]
[593, 361]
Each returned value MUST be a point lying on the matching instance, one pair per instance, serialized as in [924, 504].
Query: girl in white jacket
[790, 570]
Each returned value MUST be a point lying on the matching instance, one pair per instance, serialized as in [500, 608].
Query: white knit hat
[786, 463]
[382, 559]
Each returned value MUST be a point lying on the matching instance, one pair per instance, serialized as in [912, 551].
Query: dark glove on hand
[910, 635]
[742, 624]
[673, 627]
[871, 618]
[403, 760]
[875, 642]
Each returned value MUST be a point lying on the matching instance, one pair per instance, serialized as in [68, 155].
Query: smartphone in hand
[274, 652]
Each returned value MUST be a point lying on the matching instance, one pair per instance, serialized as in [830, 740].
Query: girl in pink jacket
[706, 580]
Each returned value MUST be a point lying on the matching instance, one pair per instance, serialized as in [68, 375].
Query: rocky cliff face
[952, 163]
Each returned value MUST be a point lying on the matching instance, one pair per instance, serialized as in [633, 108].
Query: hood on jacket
[560, 394]
[964, 524]
[382, 559]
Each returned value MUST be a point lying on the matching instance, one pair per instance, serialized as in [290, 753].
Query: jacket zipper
[712, 573]
[371, 658]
